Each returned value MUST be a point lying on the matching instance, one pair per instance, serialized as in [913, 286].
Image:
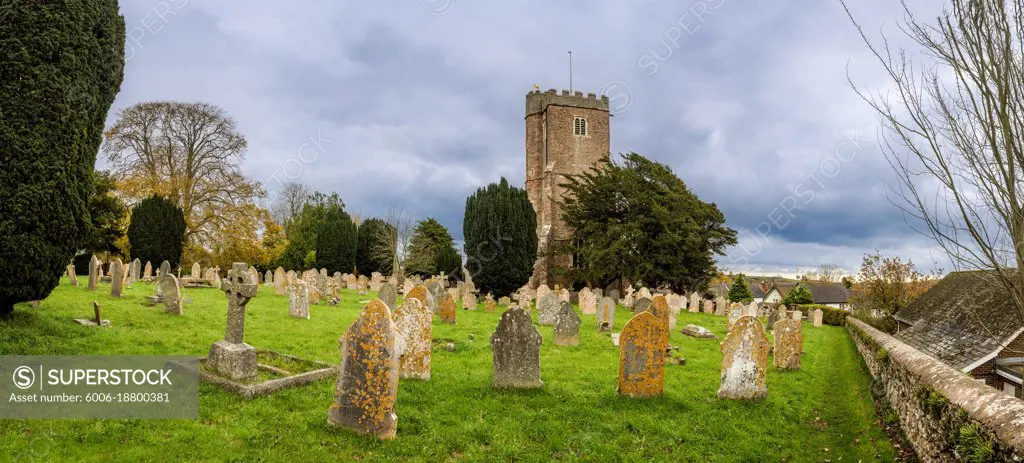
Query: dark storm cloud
[416, 104]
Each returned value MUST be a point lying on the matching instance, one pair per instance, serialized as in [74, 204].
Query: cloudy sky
[416, 103]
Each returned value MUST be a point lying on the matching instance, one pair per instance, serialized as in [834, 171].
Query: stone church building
[566, 133]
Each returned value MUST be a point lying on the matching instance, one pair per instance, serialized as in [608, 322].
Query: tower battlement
[537, 101]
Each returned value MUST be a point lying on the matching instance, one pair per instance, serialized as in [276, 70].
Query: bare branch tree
[397, 234]
[953, 128]
[289, 202]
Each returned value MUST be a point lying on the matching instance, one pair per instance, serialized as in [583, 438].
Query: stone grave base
[276, 372]
[84, 322]
[189, 282]
[154, 300]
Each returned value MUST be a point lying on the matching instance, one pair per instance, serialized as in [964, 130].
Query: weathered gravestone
[735, 314]
[774, 315]
[165, 268]
[516, 347]
[420, 292]
[388, 294]
[798, 315]
[268, 278]
[752, 310]
[469, 301]
[694, 305]
[547, 308]
[447, 310]
[659, 308]
[94, 273]
[696, 331]
[415, 328]
[588, 301]
[136, 270]
[567, 326]
[789, 344]
[170, 293]
[614, 294]
[541, 291]
[816, 316]
[435, 290]
[564, 295]
[72, 275]
[97, 319]
[280, 281]
[367, 387]
[504, 301]
[642, 347]
[644, 292]
[489, 304]
[231, 357]
[116, 277]
[642, 304]
[606, 314]
[744, 361]
[298, 300]
[721, 307]
[709, 307]
[147, 273]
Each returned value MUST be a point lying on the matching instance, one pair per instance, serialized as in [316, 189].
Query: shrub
[157, 231]
[829, 315]
[61, 66]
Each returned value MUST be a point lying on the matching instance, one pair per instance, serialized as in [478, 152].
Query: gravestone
[606, 314]
[298, 300]
[744, 361]
[170, 294]
[489, 304]
[504, 301]
[147, 273]
[415, 328]
[388, 294]
[420, 292]
[516, 348]
[816, 316]
[642, 304]
[564, 295]
[567, 326]
[116, 277]
[469, 301]
[588, 301]
[72, 275]
[774, 315]
[735, 314]
[367, 387]
[280, 281]
[231, 357]
[798, 315]
[435, 290]
[268, 278]
[789, 344]
[694, 305]
[644, 292]
[696, 331]
[721, 307]
[709, 306]
[94, 273]
[547, 308]
[165, 268]
[97, 319]
[448, 309]
[642, 346]
[320, 278]
[197, 271]
[752, 310]
[659, 308]
[614, 294]
[541, 291]
[136, 270]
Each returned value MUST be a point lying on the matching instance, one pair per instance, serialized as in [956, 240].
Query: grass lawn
[823, 412]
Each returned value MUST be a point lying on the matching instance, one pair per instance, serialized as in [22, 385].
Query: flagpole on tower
[570, 72]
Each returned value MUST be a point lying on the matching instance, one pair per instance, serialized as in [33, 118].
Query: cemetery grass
[822, 412]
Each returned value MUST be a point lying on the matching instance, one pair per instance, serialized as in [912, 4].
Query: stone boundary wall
[946, 415]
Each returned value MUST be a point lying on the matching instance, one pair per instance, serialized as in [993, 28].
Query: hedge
[829, 315]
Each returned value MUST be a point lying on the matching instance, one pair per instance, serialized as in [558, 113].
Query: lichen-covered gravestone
[642, 304]
[165, 268]
[547, 308]
[298, 300]
[606, 314]
[541, 291]
[659, 308]
[721, 307]
[435, 290]
[147, 273]
[735, 314]
[231, 357]
[469, 301]
[789, 343]
[694, 305]
[775, 315]
[709, 307]
[588, 301]
[816, 316]
[415, 329]
[642, 347]
[388, 294]
[489, 304]
[516, 347]
[798, 315]
[170, 293]
[744, 361]
[280, 281]
[567, 326]
[447, 310]
[420, 292]
[94, 273]
[367, 387]
[116, 278]
[136, 270]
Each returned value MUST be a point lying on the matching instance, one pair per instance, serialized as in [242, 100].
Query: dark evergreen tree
[740, 290]
[798, 295]
[449, 261]
[336, 242]
[107, 213]
[372, 248]
[428, 239]
[61, 65]
[157, 231]
[500, 228]
[302, 230]
[636, 219]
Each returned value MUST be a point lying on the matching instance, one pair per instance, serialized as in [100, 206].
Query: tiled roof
[822, 293]
[963, 318]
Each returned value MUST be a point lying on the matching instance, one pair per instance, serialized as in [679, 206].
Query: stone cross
[239, 288]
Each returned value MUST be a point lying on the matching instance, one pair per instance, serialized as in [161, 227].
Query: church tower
[566, 133]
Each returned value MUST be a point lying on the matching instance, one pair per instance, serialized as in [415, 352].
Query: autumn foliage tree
[885, 285]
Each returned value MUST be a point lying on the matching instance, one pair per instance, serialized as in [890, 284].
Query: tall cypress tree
[157, 231]
[429, 239]
[61, 65]
[372, 249]
[500, 228]
[336, 242]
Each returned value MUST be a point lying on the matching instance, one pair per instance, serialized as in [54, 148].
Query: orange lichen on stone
[789, 344]
[448, 309]
[367, 387]
[642, 346]
[415, 327]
